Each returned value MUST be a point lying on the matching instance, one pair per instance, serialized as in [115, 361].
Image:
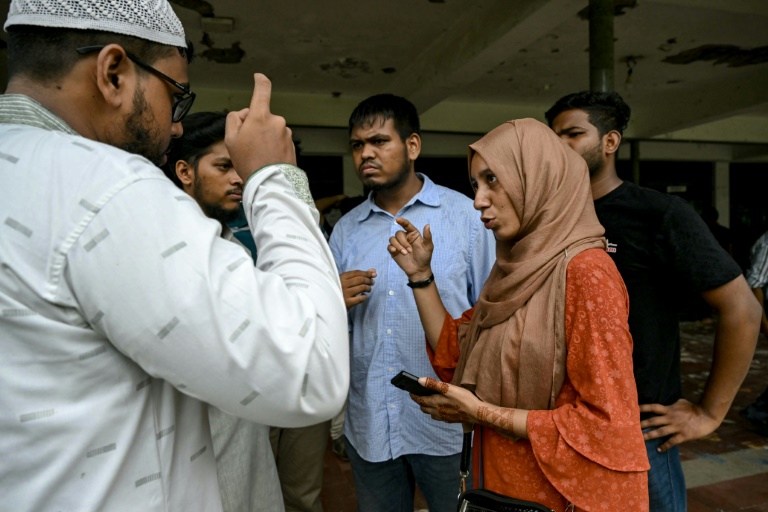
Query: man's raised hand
[255, 137]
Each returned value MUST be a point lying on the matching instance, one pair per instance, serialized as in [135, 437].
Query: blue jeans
[666, 482]
[389, 486]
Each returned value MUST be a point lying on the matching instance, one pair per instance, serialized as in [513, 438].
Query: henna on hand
[445, 411]
[452, 413]
[499, 418]
[503, 420]
[437, 385]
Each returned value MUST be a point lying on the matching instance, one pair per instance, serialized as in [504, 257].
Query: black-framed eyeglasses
[181, 104]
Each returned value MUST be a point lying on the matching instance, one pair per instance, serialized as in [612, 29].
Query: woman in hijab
[542, 365]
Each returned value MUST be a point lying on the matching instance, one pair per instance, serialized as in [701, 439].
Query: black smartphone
[410, 383]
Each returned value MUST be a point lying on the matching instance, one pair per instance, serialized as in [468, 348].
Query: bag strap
[466, 458]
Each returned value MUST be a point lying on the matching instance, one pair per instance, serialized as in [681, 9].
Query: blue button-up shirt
[382, 421]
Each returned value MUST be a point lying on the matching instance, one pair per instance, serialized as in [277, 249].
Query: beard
[213, 210]
[396, 180]
[142, 136]
[594, 158]
[220, 214]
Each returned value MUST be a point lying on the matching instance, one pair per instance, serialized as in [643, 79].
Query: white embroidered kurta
[122, 310]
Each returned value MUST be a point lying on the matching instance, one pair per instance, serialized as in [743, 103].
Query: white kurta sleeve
[269, 343]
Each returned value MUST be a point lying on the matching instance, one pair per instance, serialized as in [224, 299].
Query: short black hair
[383, 107]
[607, 110]
[201, 131]
[47, 53]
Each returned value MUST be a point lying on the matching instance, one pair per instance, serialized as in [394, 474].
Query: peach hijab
[513, 351]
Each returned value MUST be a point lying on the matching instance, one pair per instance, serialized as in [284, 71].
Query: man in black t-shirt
[662, 248]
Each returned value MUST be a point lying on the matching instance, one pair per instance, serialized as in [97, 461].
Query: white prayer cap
[153, 20]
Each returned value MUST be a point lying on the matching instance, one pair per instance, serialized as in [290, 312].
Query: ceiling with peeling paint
[690, 69]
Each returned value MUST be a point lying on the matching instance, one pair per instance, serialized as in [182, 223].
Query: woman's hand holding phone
[410, 383]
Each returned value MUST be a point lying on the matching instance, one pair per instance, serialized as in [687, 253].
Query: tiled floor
[726, 471]
[338, 494]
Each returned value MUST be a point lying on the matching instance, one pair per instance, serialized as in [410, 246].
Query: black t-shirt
[662, 249]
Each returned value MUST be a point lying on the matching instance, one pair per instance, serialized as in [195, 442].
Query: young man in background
[200, 165]
[660, 246]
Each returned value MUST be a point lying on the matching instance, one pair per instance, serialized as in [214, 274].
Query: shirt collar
[428, 195]
[227, 233]
[21, 109]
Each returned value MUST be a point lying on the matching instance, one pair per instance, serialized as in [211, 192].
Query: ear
[611, 141]
[413, 144]
[116, 77]
[185, 173]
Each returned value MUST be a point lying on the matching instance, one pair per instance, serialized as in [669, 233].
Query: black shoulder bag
[482, 500]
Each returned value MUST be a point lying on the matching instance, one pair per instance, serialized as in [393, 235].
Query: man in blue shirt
[391, 444]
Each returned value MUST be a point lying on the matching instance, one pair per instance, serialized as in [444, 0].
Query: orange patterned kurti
[589, 450]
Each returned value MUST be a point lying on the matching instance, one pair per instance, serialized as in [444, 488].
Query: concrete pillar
[722, 199]
[601, 45]
[352, 185]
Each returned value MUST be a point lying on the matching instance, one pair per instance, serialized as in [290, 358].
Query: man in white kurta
[122, 310]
